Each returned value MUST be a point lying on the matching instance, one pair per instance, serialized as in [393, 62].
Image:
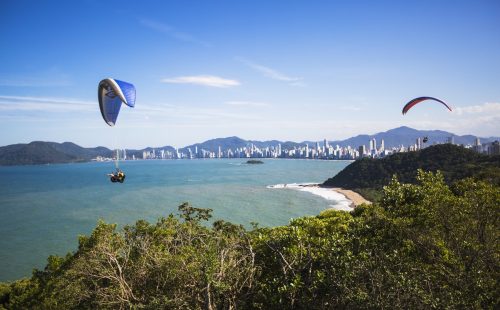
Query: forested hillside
[39, 152]
[424, 245]
[368, 175]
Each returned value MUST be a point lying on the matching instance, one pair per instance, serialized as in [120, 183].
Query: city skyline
[402, 134]
[261, 70]
[326, 151]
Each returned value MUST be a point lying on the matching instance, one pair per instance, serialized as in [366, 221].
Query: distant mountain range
[235, 142]
[392, 138]
[39, 152]
[406, 136]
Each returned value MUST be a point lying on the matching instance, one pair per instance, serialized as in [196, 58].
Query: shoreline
[93, 160]
[354, 197]
[345, 199]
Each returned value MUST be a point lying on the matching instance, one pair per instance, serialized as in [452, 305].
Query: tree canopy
[369, 175]
[423, 245]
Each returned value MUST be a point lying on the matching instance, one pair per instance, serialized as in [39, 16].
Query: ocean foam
[341, 201]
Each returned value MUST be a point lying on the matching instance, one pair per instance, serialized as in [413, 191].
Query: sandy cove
[344, 199]
[355, 198]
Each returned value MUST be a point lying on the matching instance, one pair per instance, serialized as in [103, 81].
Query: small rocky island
[254, 161]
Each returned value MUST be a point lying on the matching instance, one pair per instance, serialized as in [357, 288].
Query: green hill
[453, 161]
[423, 246]
[39, 152]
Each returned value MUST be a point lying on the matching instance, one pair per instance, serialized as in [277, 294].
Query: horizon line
[254, 140]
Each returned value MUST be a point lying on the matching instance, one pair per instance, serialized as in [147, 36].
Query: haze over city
[258, 70]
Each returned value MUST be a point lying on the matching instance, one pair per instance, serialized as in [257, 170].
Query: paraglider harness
[118, 176]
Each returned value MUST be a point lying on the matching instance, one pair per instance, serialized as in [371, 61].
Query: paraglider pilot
[111, 94]
[118, 176]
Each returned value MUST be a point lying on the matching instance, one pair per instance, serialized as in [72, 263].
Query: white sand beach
[356, 198]
[345, 200]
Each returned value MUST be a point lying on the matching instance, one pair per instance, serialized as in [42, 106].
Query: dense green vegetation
[424, 245]
[39, 152]
[367, 176]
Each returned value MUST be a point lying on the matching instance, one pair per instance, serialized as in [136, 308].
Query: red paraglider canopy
[416, 101]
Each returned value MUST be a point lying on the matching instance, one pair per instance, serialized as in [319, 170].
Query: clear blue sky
[288, 70]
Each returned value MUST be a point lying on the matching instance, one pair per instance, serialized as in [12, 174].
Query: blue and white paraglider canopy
[111, 94]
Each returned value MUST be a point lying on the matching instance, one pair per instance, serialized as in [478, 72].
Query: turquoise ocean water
[44, 208]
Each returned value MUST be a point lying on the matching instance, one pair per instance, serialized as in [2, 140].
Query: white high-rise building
[373, 147]
[477, 146]
[362, 150]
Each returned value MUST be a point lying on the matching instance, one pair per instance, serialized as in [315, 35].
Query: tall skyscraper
[494, 148]
[373, 147]
[362, 150]
[477, 146]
